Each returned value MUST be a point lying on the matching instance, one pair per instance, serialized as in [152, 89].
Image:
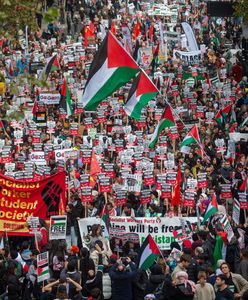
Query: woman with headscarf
[182, 287]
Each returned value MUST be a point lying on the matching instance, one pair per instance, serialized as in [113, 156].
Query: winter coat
[85, 264]
[154, 282]
[122, 282]
[14, 287]
[240, 283]
[139, 285]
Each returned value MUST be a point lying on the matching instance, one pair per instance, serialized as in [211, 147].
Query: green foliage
[51, 15]
[241, 10]
[15, 15]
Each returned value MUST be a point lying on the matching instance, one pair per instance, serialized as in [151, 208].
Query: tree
[15, 15]
[241, 10]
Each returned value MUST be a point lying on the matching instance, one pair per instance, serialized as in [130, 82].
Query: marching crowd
[210, 93]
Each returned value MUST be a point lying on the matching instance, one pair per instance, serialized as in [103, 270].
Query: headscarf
[186, 280]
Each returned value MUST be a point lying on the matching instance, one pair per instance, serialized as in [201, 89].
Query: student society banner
[20, 200]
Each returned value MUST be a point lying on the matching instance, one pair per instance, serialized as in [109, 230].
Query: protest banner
[161, 229]
[20, 199]
[57, 227]
[191, 57]
[43, 266]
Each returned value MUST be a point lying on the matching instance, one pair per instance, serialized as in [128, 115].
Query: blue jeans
[72, 238]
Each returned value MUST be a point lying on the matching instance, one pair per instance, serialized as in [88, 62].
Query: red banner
[20, 199]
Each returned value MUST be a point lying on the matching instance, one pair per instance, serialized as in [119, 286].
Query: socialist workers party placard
[20, 200]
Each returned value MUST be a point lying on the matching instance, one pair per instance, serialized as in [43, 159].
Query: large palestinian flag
[111, 68]
[141, 92]
[149, 251]
[167, 120]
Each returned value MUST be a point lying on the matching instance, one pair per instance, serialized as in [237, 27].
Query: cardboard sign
[86, 194]
[166, 190]
[43, 267]
[226, 192]
[145, 197]
[57, 227]
[104, 185]
[189, 199]
[149, 178]
[202, 180]
[120, 197]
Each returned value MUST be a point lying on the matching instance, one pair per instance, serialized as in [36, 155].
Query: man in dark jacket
[94, 280]
[122, 274]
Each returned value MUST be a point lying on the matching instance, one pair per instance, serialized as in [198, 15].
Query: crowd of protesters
[91, 267]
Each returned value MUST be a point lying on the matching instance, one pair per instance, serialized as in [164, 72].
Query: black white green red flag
[65, 100]
[51, 66]
[141, 92]
[166, 121]
[104, 215]
[149, 252]
[111, 68]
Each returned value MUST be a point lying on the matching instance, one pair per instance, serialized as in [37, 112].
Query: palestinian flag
[191, 138]
[58, 221]
[141, 92]
[211, 209]
[190, 82]
[111, 68]
[65, 100]
[218, 117]
[223, 114]
[154, 61]
[220, 247]
[166, 121]
[226, 111]
[51, 66]
[104, 215]
[182, 232]
[43, 272]
[214, 80]
[149, 252]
